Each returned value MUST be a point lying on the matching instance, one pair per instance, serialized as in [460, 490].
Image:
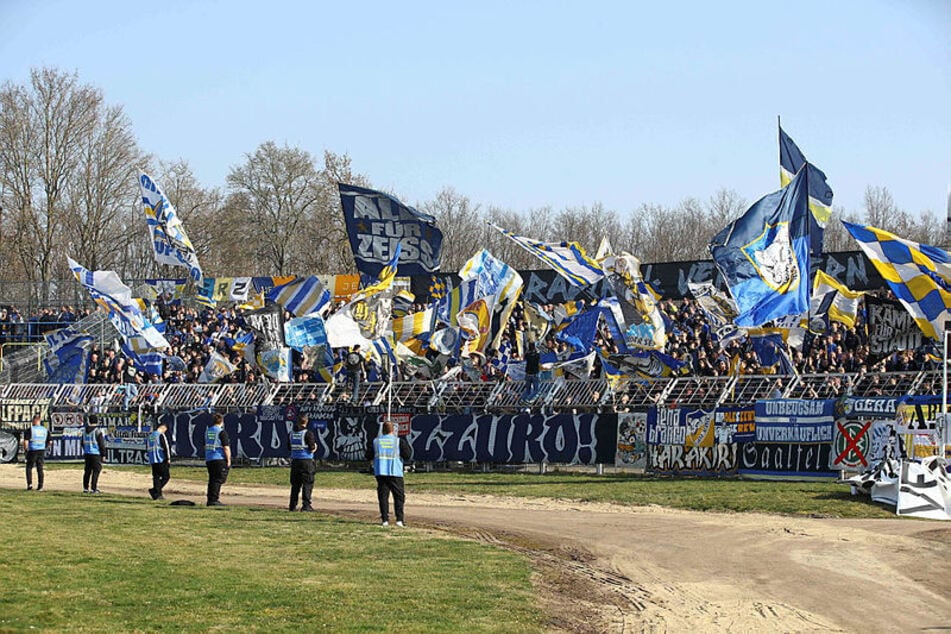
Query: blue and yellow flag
[764, 255]
[791, 160]
[918, 274]
[568, 259]
[378, 222]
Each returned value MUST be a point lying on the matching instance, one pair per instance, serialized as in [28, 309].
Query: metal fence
[502, 397]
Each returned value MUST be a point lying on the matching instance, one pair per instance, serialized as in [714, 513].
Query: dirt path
[602, 567]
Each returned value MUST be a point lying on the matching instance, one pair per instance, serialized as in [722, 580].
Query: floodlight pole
[944, 391]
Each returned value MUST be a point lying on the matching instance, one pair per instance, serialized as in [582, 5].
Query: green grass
[119, 564]
[826, 499]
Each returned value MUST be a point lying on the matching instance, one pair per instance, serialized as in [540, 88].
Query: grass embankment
[826, 499]
[110, 563]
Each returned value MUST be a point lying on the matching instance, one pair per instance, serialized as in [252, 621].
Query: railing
[505, 396]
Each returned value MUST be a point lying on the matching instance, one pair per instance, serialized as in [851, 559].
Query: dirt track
[608, 568]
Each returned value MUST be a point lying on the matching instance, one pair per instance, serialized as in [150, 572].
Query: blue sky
[524, 104]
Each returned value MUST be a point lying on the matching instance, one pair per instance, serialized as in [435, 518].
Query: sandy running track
[602, 567]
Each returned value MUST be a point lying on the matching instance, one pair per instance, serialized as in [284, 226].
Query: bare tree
[44, 127]
[460, 222]
[102, 194]
[281, 185]
[327, 245]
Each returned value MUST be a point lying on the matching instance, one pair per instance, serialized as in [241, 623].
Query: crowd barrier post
[599, 469]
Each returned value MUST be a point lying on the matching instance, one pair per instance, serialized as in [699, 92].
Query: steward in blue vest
[36, 440]
[388, 453]
[159, 454]
[94, 448]
[303, 446]
[217, 458]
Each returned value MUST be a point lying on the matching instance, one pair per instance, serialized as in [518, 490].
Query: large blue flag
[69, 361]
[377, 222]
[764, 255]
[791, 160]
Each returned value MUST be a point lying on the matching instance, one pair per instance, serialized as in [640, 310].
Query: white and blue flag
[170, 243]
[302, 296]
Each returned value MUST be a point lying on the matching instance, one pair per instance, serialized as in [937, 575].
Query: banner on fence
[735, 425]
[680, 460]
[502, 439]
[793, 440]
[631, 440]
[680, 427]
[18, 413]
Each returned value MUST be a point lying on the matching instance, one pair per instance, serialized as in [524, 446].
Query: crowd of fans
[194, 332]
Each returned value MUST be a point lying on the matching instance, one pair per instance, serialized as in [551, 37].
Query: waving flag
[568, 259]
[764, 255]
[301, 332]
[107, 290]
[69, 358]
[641, 317]
[918, 274]
[170, 243]
[458, 298]
[791, 160]
[475, 324]
[302, 296]
[367, 316]
[413, 324]
[378, 222]
[833, 301]
[217, 368]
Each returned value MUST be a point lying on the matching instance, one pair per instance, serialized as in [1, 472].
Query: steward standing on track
[94, 448]
[36, 440]
[388, 453]
[303, 445]
[159, 454]
[217, 458]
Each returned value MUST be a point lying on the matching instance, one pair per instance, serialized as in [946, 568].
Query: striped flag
[413, 324]
[303, 296]
[108, 290]
[458, 298]
[403, 303]
[568, 259]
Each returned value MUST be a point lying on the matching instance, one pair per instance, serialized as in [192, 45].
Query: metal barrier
[505, 396]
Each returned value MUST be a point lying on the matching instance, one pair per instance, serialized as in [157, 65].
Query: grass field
[119, 564]
[825, 499]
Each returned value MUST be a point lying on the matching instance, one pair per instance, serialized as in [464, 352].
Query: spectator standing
[355, 369]
[303, 446]
[94, 448]
[532, 364]
[36, 440]
[388, 453]
[217, 458]
[159, 454]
